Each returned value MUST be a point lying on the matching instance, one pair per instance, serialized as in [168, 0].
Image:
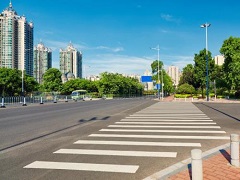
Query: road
[113, 139]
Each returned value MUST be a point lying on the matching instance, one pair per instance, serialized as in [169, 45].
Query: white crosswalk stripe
[171, 127]
[83, 166]
[204, 123]
[162, 120]
[167, 117]
[159, 136]
[163, 131]
[138, 143]
[116, 153]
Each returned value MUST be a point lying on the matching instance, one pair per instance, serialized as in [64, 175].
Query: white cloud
[179, 61]
[117, 49]
[169, 18]
[117, 64]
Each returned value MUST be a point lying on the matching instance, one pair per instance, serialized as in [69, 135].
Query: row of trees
[226, 77]
[109, 83]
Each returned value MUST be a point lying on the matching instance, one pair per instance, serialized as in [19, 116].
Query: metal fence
[20, 100]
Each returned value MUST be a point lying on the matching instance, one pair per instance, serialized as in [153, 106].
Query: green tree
[187, 75]
[10, 82]
[200, 69]
[231, 67]
[52, 80]
[77, 84]
[155, 69]
[186, 89]
[30, 84]
[167, 81]
[117, 84]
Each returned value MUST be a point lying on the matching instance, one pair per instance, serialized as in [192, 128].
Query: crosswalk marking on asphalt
[117, 153]
[138, 143]
[167, 117]
[167, 114]
[198, 123]
[83, 166]
[162, 120]
[173, 131]
[159, 136]
[171, 127]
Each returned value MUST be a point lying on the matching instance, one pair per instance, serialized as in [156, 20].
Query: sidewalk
[215, 167]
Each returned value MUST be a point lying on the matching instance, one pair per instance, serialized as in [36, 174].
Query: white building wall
[173, 72]
[219, 60]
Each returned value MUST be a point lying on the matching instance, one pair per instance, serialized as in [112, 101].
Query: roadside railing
[20, 100]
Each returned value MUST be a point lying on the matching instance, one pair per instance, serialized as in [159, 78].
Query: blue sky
[116, 36]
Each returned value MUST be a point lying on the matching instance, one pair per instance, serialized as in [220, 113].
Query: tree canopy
[52, 80]
[200, 69]
[231, 67]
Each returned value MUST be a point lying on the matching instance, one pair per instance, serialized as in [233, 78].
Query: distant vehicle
[79, 94]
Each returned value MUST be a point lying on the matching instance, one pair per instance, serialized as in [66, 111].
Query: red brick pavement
[216, 167]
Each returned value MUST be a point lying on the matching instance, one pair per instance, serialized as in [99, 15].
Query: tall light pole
[206, 25]
[158, 81]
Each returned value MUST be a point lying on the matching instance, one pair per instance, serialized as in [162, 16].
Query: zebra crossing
[160, 125]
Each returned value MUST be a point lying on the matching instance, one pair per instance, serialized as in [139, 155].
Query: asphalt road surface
[108, 139]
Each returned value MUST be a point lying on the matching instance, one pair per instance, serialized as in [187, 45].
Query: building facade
[42, 61]
[71, 61]
[16, 41]
[219, 60]
[173, 72]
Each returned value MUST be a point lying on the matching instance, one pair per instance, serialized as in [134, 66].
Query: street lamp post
[206, 25]
[158, 81]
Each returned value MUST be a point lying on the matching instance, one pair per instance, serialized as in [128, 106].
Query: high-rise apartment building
[16, 41]
[173, 72]
[42, 61]
[71, 61]
[219, 60]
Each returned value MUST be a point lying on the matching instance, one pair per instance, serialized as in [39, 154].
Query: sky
[117, 36]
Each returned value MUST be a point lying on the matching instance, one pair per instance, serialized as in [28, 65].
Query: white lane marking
[159, 136]
[136, 143]
[83, 166]
[117, 153]
[198, 123]
[162, 120]
[171, 127]
[173, 131]
[167, 117]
